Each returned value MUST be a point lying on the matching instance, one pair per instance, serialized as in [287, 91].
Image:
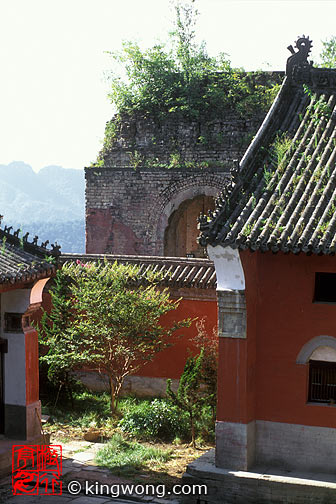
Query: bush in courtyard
[157, 419]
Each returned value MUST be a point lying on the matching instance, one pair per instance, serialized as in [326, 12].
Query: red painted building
[273, 240]
[25, 268]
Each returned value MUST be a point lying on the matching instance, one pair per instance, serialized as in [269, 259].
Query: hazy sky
[53, 104]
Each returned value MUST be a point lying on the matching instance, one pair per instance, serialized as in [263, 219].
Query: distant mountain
[50, 203]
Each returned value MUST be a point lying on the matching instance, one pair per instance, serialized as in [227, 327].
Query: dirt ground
[169, 472]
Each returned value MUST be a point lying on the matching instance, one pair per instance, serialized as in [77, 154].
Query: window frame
[323, 286]
[323, 395]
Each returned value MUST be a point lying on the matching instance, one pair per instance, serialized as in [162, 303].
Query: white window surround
[321, 348]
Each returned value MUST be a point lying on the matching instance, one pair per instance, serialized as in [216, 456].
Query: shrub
[157, 419]
[181, 80]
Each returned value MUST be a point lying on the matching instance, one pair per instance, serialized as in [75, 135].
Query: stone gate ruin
[156, 177]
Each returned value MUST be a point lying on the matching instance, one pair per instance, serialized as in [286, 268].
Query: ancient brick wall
[150, 171]
[127, 210]
[143, 141]
[152, 167]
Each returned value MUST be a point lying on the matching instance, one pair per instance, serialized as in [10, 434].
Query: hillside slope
[50, 203]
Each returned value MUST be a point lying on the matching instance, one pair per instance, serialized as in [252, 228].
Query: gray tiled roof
[22, 261]
[176, 271]
[283, 195]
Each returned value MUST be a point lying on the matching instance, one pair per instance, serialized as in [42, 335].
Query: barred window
[322, 381]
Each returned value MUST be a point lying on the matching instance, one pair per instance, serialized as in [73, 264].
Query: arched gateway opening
[181, 232]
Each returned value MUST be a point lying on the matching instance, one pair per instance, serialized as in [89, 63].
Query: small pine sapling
[190, 396]
[209, 344]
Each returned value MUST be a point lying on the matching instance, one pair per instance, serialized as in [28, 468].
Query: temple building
[25, 268]
[272, 238]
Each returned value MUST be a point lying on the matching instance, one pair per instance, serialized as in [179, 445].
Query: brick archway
[181, 232]
[170, 200]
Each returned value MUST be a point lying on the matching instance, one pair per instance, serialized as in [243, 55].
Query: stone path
[79, 474]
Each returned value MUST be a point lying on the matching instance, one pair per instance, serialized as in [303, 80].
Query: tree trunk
[193, 442]
[112, 394]
[58, 393]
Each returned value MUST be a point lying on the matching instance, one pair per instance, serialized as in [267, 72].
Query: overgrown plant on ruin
[179, 78]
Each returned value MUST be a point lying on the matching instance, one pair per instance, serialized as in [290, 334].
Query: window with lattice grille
[322, 381]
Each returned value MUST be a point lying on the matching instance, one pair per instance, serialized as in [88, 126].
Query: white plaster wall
[229, 270]
[15, 370]
[16, 301]
[324, 353]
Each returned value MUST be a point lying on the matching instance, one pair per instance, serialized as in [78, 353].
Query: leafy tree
[328, 54]
[191, 396]
[114, 324]
[54, 329]
[179, 77]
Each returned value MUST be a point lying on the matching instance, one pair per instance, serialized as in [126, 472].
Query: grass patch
[89, 411]
[143, 419]
[156, 462]
[124, 456]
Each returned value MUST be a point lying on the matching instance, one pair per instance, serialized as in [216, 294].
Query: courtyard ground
[79, 466]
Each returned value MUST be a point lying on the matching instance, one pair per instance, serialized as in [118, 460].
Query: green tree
[114, 326]
[179, 77]
[190, 395]
[328, 54]
[55, 333]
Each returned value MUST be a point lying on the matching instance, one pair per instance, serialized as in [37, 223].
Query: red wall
[170, 362]
[281, 318]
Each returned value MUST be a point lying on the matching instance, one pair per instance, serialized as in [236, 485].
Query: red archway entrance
[181, 232]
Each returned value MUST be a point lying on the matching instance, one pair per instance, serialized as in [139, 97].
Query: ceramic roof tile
[23, 261]
[177, 271]
[283, 195]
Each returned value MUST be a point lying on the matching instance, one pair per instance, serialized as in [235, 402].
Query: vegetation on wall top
[178, 78]
[328, 54]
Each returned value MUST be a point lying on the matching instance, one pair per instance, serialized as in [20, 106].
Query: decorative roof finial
[303, 46]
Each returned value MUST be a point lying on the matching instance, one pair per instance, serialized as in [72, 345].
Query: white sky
[53, 104]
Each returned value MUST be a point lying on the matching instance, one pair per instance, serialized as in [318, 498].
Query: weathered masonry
[147, 211]
[157, 178]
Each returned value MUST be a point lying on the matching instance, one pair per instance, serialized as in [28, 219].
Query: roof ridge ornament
[298, 62]
[14, 238]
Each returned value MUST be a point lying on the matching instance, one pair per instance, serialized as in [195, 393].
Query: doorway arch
[181, 232]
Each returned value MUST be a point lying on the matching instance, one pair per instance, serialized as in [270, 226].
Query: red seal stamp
[37, 469]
